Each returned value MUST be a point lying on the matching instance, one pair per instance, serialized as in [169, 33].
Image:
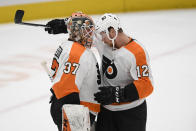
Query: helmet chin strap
[112, 39]
[113, 44]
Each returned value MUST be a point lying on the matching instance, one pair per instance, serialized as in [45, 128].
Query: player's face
[105, 39]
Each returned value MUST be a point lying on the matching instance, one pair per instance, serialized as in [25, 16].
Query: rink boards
[41, 9]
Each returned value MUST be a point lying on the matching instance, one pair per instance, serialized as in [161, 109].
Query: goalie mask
[81, 29]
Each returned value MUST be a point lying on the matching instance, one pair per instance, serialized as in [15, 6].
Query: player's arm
[140, 71]
[140, 88]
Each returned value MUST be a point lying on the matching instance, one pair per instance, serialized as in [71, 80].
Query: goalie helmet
[81, 28]
[105, 22]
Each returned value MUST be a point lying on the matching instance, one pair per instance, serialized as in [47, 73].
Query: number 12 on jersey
[142, 71]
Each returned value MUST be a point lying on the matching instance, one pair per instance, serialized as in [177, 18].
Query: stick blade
[18, 16]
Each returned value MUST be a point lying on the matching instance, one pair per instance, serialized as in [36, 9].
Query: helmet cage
[81, 29]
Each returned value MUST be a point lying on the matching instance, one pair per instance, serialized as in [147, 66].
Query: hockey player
[74, 68]
[127, 79]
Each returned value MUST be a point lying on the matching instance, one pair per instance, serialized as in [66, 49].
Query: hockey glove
[109, 95]
[56, 26]
[115, 94]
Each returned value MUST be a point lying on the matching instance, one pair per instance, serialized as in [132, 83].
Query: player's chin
[108, 42]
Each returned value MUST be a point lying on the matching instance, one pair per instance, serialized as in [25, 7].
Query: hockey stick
[18, 19]
[44, 65]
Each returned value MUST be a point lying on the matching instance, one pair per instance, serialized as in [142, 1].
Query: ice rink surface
[170, 38]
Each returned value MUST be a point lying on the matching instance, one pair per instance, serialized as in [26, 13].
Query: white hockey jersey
[123, 66]
[75, 69]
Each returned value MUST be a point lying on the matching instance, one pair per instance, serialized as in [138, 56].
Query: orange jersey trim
[67, 84]
[91, 106]
[143, 84]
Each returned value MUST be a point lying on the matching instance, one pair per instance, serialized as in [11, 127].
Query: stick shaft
[32, 24]
[44, 65]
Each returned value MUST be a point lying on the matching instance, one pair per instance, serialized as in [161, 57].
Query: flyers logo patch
[109, 68]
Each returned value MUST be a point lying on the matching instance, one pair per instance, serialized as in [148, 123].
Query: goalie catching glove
[115, 94]
[56, 26]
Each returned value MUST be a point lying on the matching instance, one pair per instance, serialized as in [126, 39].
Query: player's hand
[56, 26]
[115, 94]
[108, 95]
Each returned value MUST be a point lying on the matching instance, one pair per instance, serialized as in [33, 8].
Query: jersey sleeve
[61, 55]
[140, 70]
[85, 67]
[88, 81]
[65, 78]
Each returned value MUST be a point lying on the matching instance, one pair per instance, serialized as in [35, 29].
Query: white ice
[170, 38]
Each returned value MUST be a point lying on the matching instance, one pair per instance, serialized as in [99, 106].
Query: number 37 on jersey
[69, 67]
